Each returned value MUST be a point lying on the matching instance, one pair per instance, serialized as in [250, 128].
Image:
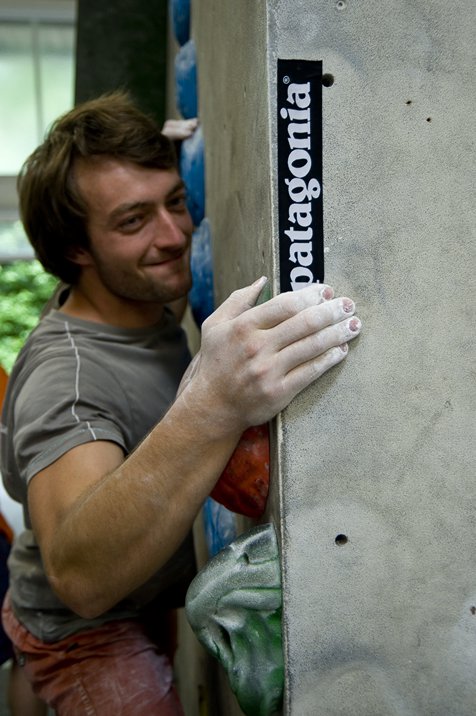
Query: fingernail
[344, 348]
[354, 324]
[348, 305]
[327, 294]
[261, 280]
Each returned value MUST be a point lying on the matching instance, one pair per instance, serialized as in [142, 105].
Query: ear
[80, 256]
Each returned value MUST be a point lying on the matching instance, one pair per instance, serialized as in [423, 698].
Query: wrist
[206, 413]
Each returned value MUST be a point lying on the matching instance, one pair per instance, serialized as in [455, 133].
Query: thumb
[238, 302]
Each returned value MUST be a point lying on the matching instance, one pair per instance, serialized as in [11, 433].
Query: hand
[255, 359]
[179, 129]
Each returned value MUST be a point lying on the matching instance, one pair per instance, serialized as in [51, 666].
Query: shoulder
[55, 356]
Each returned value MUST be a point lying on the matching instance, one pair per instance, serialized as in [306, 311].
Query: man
[110, 468]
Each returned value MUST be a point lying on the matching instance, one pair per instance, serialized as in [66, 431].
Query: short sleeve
[66, 402]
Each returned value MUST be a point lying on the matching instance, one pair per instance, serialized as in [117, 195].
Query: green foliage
[24, 289]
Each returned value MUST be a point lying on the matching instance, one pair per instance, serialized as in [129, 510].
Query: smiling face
[139, 231]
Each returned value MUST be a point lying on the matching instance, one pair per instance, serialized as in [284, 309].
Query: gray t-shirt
[74, 382]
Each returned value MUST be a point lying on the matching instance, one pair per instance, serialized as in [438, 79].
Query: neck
[111, 310]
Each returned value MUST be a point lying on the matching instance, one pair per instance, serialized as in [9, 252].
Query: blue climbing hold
[220, 526]
[180, 14]
[186, 81]
[192, 171]
[201, 294]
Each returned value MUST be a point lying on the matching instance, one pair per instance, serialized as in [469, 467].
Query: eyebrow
[127, 207]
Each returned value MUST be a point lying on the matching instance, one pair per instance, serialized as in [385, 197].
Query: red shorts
[115, 670]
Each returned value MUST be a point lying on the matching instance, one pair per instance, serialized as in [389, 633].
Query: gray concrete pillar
[373, 471]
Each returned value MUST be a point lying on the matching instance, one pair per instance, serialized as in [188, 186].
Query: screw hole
[408, 101]
[428, 119]
[340, 540]
[327, 80]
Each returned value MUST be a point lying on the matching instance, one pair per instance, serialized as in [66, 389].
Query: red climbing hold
[243, 486]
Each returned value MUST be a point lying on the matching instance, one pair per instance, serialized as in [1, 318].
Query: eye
[130, 223]
[178, 202]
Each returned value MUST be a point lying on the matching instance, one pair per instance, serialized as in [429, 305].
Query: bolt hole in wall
[408, 102]
[327, 79]
[341, 540]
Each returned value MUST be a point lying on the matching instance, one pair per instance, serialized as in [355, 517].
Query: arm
[125, 518]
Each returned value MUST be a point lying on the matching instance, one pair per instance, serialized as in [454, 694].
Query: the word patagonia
[302, 188]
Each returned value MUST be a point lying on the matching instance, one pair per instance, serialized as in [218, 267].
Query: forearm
[126, 526]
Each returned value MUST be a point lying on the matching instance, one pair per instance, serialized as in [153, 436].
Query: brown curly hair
[51, 208]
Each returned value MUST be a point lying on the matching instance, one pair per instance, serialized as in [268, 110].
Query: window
[36, 85]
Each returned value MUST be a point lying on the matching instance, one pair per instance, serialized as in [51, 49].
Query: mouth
[165, 262]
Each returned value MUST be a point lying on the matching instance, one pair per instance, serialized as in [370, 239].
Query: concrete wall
[382, 449]
[231, 41]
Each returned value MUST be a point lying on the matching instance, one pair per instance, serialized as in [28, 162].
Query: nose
[171, 230]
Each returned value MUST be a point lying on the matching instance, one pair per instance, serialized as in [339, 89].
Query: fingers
[179, 129]
[302, 376]
[315, 345]
[274, 311]
[286, 305]
[238, 302]
[312, 320]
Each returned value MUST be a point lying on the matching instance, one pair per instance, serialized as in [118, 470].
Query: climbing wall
[372, 477]
[200, 680]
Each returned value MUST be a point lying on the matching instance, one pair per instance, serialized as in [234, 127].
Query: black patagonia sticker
[301, 233]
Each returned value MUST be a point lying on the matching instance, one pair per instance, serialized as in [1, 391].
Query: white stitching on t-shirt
[78, 367]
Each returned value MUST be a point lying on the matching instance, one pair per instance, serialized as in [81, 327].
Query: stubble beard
[142, 288]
